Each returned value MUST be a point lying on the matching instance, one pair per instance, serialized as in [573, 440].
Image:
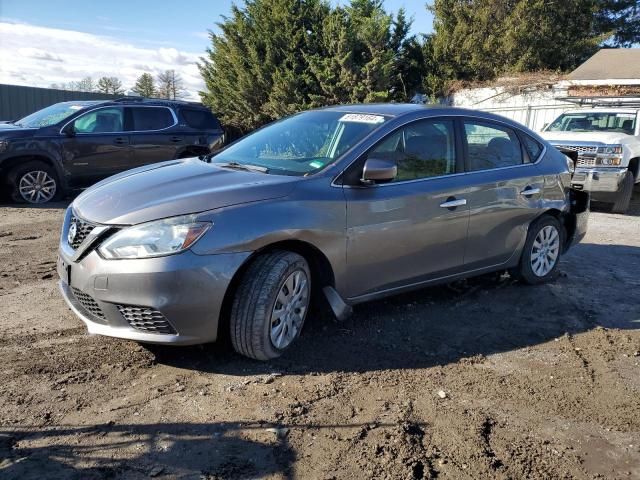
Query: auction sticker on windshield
[362, 118]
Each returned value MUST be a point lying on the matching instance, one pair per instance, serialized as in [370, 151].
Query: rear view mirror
[378, 170]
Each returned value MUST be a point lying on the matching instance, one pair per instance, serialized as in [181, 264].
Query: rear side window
[491, 146]
[200, 119]
[151, 118]
[532, 146]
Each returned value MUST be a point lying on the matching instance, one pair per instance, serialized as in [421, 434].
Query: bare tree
[170, 85]
[87, 84]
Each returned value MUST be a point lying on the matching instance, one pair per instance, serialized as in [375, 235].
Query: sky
[43, 42]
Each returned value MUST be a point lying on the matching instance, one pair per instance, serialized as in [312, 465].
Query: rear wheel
[623, 197]
[34, 182]
[541, 253]
[270, 305]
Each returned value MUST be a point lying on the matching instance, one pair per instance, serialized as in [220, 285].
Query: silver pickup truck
[607, 142]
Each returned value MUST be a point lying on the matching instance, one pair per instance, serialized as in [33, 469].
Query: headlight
[154, 239]
[610, 149]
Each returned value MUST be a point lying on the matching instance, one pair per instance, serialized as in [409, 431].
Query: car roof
[390, 109]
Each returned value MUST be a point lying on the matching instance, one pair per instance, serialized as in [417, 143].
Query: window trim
[458, 118]
[173, 114]
[124, 117]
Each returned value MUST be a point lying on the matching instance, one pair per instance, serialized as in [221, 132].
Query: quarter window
[491, 146]
[200, 119]
[151, 118]
[532, 146]
[423, 149]
[102, 120]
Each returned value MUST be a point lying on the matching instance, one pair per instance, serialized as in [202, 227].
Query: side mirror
[544, 127]
[378, 170]
[69, 130]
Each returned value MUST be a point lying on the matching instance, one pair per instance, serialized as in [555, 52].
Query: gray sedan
[344, 205]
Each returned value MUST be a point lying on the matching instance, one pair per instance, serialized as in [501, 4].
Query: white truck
[607, 142]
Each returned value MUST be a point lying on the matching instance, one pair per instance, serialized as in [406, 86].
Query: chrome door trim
[538, 160]
[122, 132]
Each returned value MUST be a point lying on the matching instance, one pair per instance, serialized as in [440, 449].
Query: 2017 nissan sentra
[347, 203]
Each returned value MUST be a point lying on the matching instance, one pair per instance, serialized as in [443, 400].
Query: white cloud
[40, 56]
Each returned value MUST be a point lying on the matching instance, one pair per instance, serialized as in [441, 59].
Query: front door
[507, 191]
[99, 146]
[414, 228]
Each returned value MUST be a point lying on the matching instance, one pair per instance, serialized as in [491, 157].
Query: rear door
[506, 194]
[414, 228]
[99, 146]
[153, 138]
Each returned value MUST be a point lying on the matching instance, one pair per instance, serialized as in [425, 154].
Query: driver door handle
[527, 192]
[453, 203]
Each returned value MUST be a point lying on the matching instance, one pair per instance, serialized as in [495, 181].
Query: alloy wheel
[545, 251]
[37, 187]
[290, 309]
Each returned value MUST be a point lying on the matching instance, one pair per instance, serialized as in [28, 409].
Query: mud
[480, 379]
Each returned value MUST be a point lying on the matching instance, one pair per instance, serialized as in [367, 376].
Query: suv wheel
[270, 305]
[34, 182]
[541, 254]
[623, 197]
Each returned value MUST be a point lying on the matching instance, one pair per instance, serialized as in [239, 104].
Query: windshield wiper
[243, 166]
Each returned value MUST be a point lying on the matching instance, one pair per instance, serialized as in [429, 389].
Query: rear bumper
[184, 292]
[604, 180]
[576, 222]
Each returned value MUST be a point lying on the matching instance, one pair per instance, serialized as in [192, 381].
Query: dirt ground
[480, 379]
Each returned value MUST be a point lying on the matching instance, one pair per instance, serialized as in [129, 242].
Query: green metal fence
[17, 101]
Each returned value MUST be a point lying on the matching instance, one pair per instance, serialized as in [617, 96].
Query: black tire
[19, 172]
[623, 198]
[525, 271]
[255, 299]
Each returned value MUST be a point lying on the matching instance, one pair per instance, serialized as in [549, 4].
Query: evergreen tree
[144, 86]
[110, 85]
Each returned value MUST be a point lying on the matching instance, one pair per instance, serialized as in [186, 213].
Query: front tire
[623, 197]
[541, 253]
[270, 305]
[34, 182]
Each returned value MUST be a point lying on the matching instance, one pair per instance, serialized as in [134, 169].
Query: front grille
[580, 148]
[88, 303]
[82, 230]
[146, 319]
[586, 161]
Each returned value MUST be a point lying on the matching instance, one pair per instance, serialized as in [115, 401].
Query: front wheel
[34, 182]
[541, 253]
[270, 305]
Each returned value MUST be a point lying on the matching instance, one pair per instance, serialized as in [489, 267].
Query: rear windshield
[200, 119]
[594, 122]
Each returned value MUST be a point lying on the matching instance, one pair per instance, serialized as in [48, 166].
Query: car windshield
[50, 115]
[302, 144]
[595, 122]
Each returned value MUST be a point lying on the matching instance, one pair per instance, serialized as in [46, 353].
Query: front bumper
[605, 180]
[183, 291]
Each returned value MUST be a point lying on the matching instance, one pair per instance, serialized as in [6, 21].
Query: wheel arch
[322, 274]
[8, 164]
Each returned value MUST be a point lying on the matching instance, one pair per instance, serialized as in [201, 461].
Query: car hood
[9, 130]
[585, 137]
[177, 187]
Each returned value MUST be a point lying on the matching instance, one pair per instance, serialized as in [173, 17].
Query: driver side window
[103, 120]
[423, 149]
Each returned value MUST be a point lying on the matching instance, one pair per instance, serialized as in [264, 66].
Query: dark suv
[72, 145]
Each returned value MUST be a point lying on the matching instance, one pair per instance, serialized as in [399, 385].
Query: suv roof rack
[628, 101]
[134, 98]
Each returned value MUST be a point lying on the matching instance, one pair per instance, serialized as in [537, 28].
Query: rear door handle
[527, 192]
[176, 139]
[121, 141]
[453, 203]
